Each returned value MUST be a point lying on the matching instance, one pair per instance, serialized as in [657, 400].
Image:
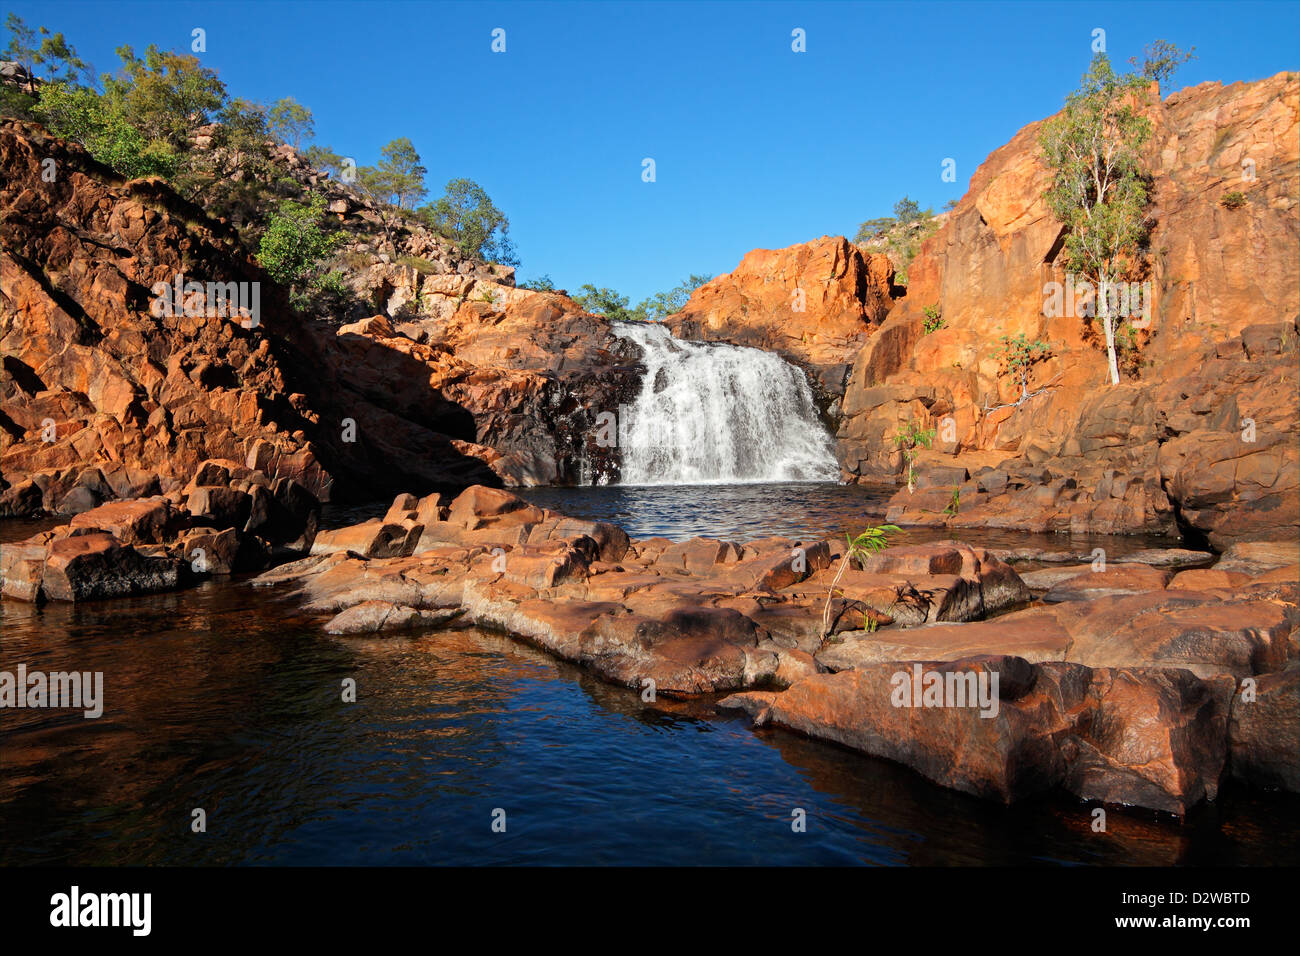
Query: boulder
[96, 565]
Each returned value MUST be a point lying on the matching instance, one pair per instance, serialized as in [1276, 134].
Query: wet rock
[1264, 732]
[92, 566]
[1151, 738]
[371, 617]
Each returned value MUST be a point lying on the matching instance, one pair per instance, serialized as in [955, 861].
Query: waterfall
[715, 414]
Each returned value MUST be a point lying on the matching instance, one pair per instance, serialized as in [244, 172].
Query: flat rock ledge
[1140, 684]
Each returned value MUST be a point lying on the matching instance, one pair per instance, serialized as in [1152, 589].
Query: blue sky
[754, 145]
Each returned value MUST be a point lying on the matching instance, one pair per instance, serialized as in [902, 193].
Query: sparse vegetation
[294, 247]
[609, 303]
[871, 541]
[1017, 355]
[933, 320]
[899, 236]
[909, 439]
[466, 215]
[1099, 188]
[1233, 200]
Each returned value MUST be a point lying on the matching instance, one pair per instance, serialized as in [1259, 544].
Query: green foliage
[909, 438]
[663, 304]
[290, 122]
[607, 302]
[16, 102]
[933, 320]
[166, 96]
[1161, 60]
[1017, 355]
[542, 283]
[294, 245]
[1099, 185]
[901, 234]
[871, 541]
[466, 215]
[875, 229]
[954, 503]
[398, 178]
[324, 159]
[84, 116]
[44, 55]
[1233, 200]
[907, 211]
[950, 205]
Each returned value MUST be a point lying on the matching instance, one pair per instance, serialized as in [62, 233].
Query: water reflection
[227, 698]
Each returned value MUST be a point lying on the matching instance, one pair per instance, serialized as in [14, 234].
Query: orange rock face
[814, 303]
[108, 395]
[1207, 413]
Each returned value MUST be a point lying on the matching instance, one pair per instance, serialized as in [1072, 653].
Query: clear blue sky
[755, 145]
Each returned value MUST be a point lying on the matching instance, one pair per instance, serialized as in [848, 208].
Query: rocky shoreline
[1139, 682]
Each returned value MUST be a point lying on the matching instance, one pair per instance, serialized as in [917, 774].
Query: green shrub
[294, 245]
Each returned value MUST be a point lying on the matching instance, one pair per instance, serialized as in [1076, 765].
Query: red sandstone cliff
[816, 304]
[1174, 443]
[102, 398]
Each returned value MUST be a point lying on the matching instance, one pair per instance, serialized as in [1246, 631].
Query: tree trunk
[1108, 324]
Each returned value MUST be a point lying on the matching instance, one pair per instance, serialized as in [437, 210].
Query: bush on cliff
[900, 235]
[294, 247]
[83, 115]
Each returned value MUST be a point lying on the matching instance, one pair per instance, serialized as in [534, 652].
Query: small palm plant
[871, 541]
[909, 438]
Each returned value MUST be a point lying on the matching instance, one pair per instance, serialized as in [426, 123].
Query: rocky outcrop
[1119, 691]
[112, 390]
[228, 518]
[816, 304]
[1149, 738]
[1206, 417]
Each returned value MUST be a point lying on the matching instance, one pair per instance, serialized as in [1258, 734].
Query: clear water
[227, 698]
[790, 509]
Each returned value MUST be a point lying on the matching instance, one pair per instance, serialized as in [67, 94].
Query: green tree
[1098, 191]
[166, 96]
[907, 211]
[607, 302]
[674, 300]
[874, 228]
[291, 122]
[542, 283]
[466, 215]
[44, 55]
[398, 178]
[294, 245]
[324, 159]
[83, 115]
[1161, 60]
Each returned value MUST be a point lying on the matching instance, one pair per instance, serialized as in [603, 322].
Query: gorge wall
[462, 378]
[1201, 433]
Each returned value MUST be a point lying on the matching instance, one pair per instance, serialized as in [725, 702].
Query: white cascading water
[714, 414]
